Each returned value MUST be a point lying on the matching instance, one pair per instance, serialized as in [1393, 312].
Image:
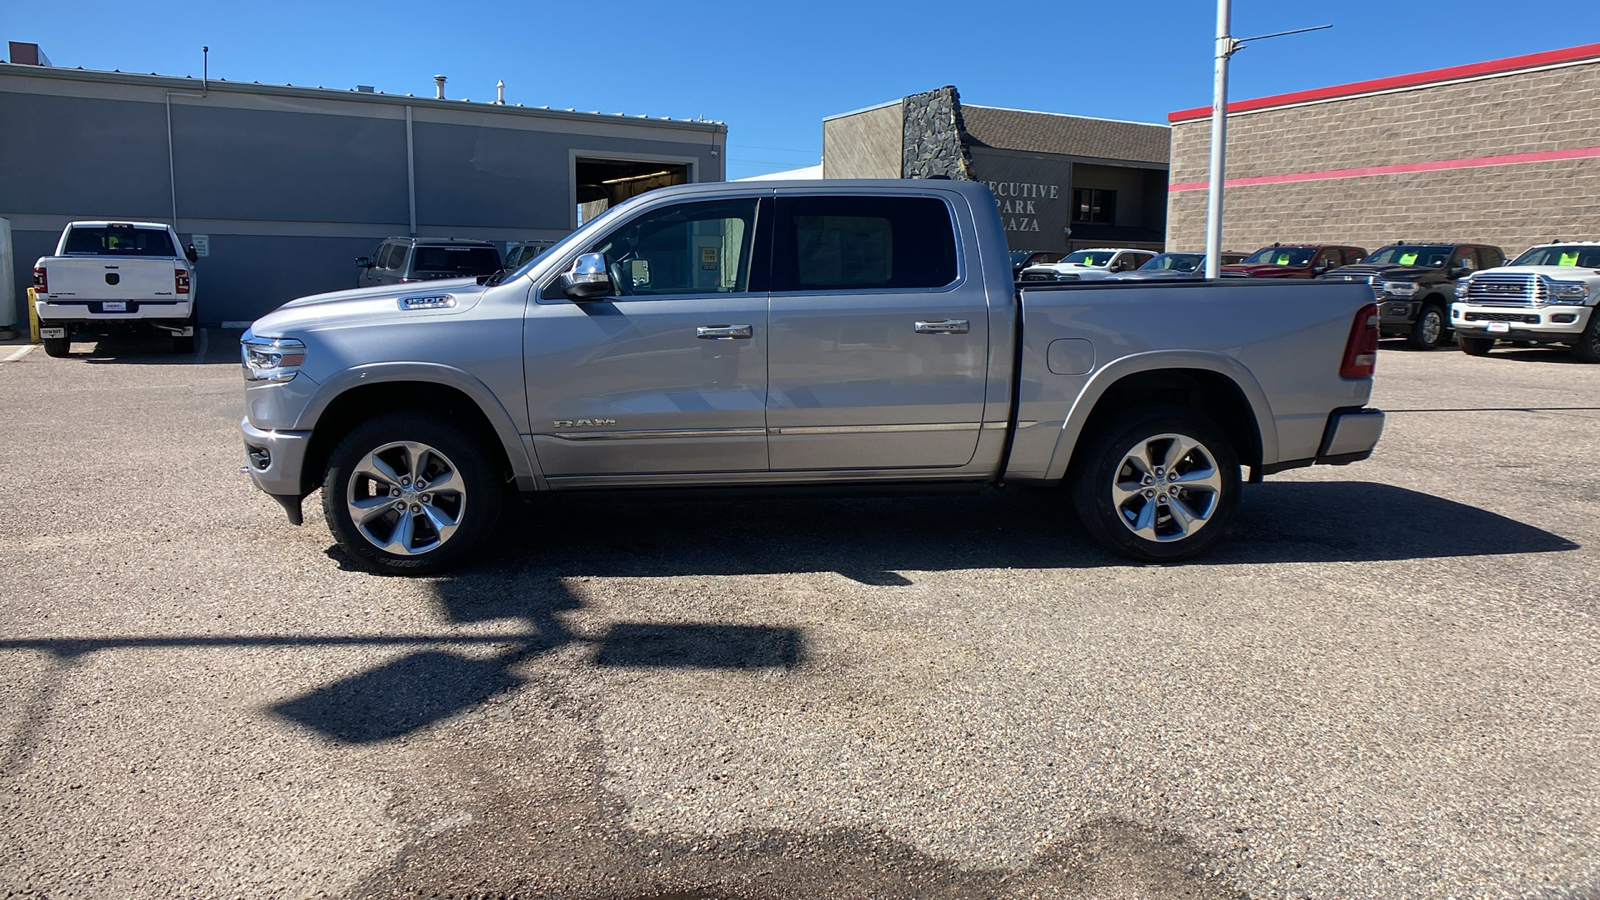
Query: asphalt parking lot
[1384, 684]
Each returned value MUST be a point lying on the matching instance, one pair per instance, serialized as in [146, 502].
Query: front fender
[523, 464]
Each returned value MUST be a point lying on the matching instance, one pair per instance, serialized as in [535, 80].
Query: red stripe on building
[1399, 169]
[1418, 79]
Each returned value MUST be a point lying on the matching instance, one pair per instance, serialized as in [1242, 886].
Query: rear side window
[120, 240]
[391, 256]
[863, 243]
[456, 260]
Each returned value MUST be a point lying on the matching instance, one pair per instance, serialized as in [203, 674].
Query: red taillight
[180, 278]
[1361, 350]
[41, 281]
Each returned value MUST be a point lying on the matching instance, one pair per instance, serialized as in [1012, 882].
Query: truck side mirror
[190, 253]
[364, 262]
[588, 279]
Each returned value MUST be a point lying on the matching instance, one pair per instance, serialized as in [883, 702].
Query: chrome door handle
[942, 326]
[723, 332]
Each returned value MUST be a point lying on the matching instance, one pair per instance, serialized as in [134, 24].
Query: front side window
[864, 243]
[694, 248]
[1174, 262]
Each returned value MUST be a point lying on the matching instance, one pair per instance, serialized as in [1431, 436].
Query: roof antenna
[205, 69]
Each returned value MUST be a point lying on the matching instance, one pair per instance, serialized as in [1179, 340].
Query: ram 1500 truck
[1548, 295]
[115, 275]
[845, 334]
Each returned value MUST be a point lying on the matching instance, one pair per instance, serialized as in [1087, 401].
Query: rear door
[879, 337]
[667, 375]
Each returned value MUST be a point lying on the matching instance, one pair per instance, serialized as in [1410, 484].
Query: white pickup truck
[115, 275]
[1547, 295]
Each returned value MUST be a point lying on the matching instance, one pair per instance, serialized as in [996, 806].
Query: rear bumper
[176, 312]
[1350, 436]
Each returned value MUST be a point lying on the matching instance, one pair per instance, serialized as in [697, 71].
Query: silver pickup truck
[842, 334]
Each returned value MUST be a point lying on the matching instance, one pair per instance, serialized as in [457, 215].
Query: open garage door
[603, 183]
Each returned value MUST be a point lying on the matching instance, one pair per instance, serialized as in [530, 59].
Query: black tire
[181, 344]
[472, 500]
[1429, 329]
[1104, 465]
[57, 347]
[1475, 346]
[1587, 349]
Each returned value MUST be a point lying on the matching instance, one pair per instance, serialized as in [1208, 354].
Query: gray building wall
[292, 184]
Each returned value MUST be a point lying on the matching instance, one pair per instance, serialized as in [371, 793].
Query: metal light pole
[1227, 46]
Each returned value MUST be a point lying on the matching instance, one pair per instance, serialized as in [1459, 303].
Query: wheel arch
[358, 395]
[1214, 385]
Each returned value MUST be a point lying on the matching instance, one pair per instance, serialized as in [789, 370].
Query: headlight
[1400, 288]
[271, 359]
[1572, 292]
[1461, 288]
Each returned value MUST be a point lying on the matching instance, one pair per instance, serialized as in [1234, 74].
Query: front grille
[1506, 290]
[1519, 318]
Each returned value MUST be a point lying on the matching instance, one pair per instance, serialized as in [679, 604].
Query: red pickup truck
[1296, 260]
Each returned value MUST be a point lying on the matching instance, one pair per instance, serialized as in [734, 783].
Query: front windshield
[1090, 257]
[1412, 255]
[1569, 255]
[1293, 257]
[1018, 257]
[1174, 262]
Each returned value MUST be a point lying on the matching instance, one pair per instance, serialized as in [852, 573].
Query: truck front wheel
[1429, 327]
[1157, 485]
[409, 493]
[1475, 346]
[1588, 347]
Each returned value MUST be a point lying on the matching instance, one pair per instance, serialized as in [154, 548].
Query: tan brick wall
[1513, 206]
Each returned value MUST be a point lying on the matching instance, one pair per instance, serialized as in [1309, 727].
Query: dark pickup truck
[1414, 284]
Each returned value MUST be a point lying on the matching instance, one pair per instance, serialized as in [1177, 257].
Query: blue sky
[773, 71]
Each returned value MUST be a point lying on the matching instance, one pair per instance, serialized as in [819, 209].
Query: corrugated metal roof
[1040, 132]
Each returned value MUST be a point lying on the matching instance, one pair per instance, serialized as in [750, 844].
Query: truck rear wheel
[1158, 485]
[1475, 346]
[57, 347]
[410, 493]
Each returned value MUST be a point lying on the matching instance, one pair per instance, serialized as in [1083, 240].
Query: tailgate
[112, 278]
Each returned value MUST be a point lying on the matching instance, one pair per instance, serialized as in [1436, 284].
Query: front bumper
[1520, 323]
[276, 460]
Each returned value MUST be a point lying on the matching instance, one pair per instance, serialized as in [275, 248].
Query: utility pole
[1227, 46]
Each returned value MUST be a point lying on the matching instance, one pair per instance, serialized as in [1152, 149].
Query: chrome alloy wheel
[1431, 325]
[1166, 487]
[406, 498]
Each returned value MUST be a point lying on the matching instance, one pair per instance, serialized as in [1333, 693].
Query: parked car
[1088, 265]
[402, 260]
[1296, 260]
[1176, 266]
[1548, 295]
[112, 276]
[1021, 259]
[1415, 283]
[873, 339]
[520, 254]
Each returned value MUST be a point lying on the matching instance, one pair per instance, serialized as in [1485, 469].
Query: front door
[879, 340]
[668, 373]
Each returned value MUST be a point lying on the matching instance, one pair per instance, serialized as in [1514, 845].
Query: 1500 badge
[584, 423]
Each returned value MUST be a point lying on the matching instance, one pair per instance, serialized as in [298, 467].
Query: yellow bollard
[33, 319]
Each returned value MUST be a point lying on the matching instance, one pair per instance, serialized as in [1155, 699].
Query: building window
[1094, 206]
